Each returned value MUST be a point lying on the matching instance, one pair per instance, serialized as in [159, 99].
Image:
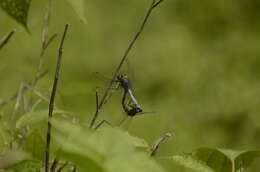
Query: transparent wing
[125, 122]
[100, 76]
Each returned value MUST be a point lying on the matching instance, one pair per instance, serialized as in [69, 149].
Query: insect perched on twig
[103, 100]
[132, 108]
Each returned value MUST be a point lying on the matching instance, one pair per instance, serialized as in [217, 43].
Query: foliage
[106, 150]
[17, 9]
[26, 166]
[78, 7]
[217, 160]
[213, 78]
[12, 158]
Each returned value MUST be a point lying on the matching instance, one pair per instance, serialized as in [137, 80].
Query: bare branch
[125, 55]
[51, 104]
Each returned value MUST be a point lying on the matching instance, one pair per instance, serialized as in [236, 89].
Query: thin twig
[6, 39]
[158, 143]
[18, 101]
[14, 97]
[46, 23]
[40, 63]
[74, 168]
[45, 41]
[51, 105]
[54, 165]
[63, 166]
[97, 100]
[125, 55]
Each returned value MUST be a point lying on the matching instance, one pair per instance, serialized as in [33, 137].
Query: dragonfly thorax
[123, 81]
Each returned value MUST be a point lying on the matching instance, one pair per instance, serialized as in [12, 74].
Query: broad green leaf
[139, 142]
[245, 159]
[106, 150]
[78, 7]
[225, 160]
[191, 162]
[35, 118]
[241, 159]
[215, 159]
[11, 158]
[35, 144]
[26, 166]
[17, 9]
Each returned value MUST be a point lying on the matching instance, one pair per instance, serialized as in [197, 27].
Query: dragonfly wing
[100, 76]
[128, 123]
[122, 120]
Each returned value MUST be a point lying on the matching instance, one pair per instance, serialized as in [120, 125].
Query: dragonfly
[133, 107]
[124, 83]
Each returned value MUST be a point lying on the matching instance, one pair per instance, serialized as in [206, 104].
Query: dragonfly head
[122, 77]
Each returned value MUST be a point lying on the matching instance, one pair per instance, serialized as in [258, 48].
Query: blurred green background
[196, 65]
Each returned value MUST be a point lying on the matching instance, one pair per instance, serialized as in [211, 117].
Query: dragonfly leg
[101, 123]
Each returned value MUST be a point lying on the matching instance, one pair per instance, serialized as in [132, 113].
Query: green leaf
[11, 158]
[35, 118]
[139, 142]
[191, 162]
[32, 119]
[245, 159]
[17, 9]
[215, 159]
[106, 150]
[35, 145]
[78, 7]
[26, 166]
[241, 159]
[219, 160]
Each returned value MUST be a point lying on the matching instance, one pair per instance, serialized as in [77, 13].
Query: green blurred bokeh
[196, 65]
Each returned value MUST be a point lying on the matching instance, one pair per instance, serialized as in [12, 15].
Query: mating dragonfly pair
[131, 108]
